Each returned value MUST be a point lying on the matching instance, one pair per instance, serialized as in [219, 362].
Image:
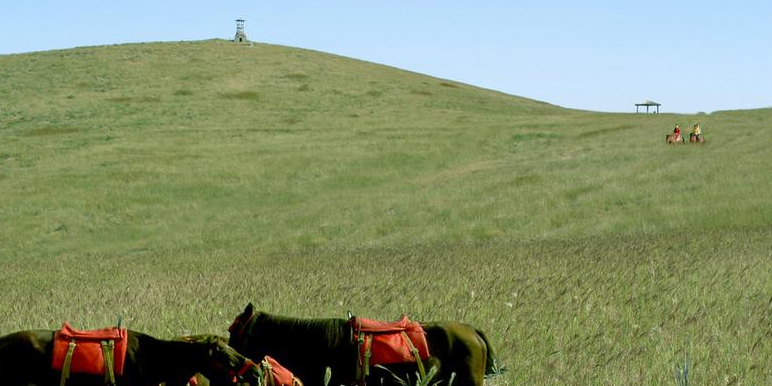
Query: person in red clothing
[677, 132]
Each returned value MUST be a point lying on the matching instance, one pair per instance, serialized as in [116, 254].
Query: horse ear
[249, 310]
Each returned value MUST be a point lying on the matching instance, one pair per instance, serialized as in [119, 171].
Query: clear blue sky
[595, 54]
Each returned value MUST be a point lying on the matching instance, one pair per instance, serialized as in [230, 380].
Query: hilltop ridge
[289, 82]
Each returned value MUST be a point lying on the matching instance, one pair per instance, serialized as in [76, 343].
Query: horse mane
[334, 331]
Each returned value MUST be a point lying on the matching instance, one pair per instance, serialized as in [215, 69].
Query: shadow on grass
[143, 99]
[608, 130]
[49, 131]
[296, 76]
[243, 95]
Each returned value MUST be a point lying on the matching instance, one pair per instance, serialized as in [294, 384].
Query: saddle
[383, 343]
[97, 352]
[276, 374]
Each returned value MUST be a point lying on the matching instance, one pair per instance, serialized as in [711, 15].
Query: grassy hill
[171, 183]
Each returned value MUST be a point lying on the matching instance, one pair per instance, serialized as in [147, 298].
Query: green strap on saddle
[360, 340]
[368, 354]
[363, 370]
[108, 348]
[67, 363]
[268, 372]
[363, 360]
[416, 354]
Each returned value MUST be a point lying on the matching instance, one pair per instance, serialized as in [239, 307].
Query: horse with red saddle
[119, 357]
[673, 138]
[357, 350]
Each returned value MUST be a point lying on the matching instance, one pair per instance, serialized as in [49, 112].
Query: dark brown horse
[309, 346]
[26, 356]
[281, 376]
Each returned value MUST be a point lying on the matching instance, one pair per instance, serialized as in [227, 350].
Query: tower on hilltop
[241, 37]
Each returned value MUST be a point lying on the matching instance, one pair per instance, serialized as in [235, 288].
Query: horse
[309, 346]
[696, 138]
[26, 359]
[671, 138]
[273, 373]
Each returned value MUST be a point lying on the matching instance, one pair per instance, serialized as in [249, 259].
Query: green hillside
[212, 145]
[171, 183]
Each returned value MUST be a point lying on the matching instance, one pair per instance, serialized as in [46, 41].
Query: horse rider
[677, 132]
[696, 133]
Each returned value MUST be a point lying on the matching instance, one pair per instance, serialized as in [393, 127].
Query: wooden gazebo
[648, 104]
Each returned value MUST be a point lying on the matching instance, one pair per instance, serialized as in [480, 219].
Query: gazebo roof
[648, 103]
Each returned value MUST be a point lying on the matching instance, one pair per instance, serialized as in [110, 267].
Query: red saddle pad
[88, 357]
[281, 376]
[387, 343]
[377, 326]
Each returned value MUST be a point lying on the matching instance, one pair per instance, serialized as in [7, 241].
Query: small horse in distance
[672, 138]
[26, 359]
[309, 346]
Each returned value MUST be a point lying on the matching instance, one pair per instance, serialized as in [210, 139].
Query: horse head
[223, 365]
[239, 329]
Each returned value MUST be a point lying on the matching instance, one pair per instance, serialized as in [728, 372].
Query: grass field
[171, 183]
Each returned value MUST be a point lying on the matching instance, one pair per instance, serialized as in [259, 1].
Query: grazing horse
[26, 359]
[279, 375]
[309, 346]
[671, 138]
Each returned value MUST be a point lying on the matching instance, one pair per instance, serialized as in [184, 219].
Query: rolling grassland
[171, 183]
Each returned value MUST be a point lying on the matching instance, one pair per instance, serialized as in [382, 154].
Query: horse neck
[286, 332]
[174, 360]
[305, 346]
[299, 342]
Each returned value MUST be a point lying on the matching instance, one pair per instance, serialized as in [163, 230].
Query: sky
[601, 55]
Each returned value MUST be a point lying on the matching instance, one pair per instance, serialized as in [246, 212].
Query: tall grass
[426, 380]
[587, 311]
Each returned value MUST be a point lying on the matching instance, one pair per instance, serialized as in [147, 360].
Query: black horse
[26, 356]
[309, 346]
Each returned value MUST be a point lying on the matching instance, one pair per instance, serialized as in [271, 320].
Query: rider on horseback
[696, 134]
[677, 132]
